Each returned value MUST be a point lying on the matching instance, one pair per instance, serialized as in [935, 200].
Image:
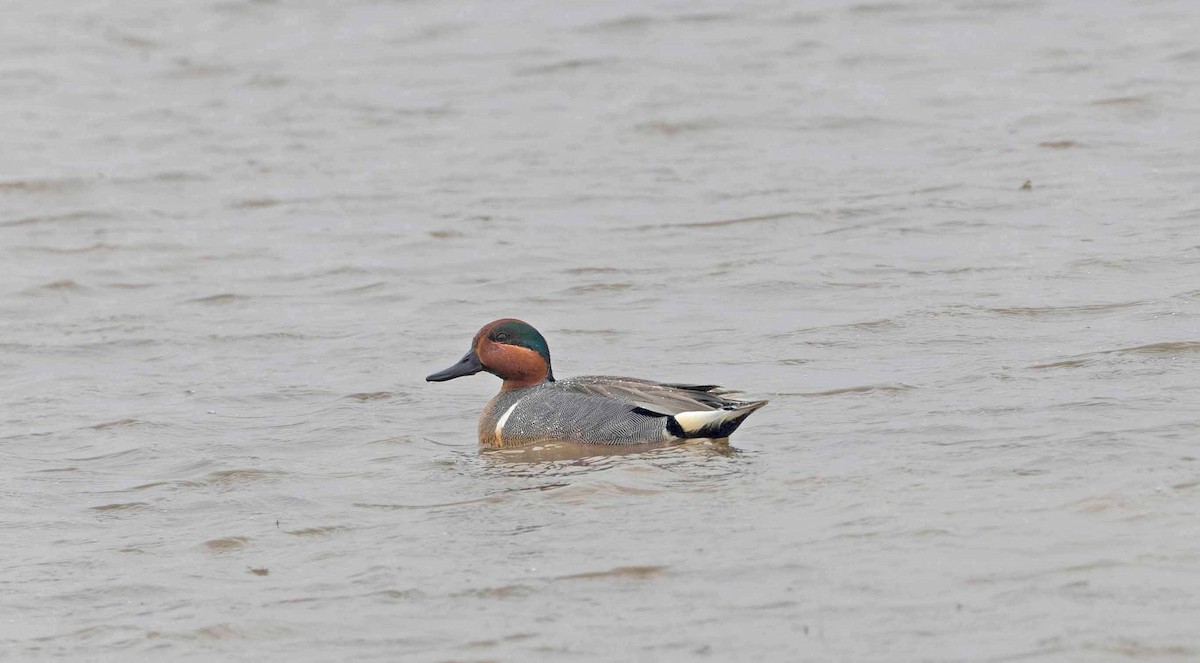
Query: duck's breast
[491, 420]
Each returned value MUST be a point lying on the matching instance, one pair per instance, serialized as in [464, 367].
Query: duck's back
[660, 397]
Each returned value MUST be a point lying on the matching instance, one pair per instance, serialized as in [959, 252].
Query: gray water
[234, 237]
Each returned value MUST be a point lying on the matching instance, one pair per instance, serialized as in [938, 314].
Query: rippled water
[234, 237]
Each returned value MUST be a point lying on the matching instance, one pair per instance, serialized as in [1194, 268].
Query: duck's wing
[655, 397]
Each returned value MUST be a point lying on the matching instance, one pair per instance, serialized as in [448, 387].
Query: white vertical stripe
[503, 419]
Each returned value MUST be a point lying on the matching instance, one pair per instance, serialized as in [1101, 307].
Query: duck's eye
[501, 337]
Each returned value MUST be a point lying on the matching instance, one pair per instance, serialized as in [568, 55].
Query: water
[234, 237]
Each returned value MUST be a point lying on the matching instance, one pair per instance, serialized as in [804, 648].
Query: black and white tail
[712, 423]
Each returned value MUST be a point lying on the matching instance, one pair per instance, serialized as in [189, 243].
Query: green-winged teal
[533, 407]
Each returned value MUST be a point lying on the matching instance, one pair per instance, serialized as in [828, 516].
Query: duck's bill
[468, 365]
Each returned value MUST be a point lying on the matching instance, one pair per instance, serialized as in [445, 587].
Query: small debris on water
[261, 572]
[1027, 185]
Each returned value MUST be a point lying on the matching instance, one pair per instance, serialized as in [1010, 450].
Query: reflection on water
[594, 455]
[235, 235]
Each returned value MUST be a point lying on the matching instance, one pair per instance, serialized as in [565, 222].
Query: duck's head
[508, 348]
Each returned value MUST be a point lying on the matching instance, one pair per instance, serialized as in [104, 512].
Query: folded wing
[665, 399]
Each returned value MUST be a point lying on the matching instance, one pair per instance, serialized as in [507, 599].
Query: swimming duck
[532, 407]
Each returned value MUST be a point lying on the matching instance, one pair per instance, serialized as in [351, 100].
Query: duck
[533, 407]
